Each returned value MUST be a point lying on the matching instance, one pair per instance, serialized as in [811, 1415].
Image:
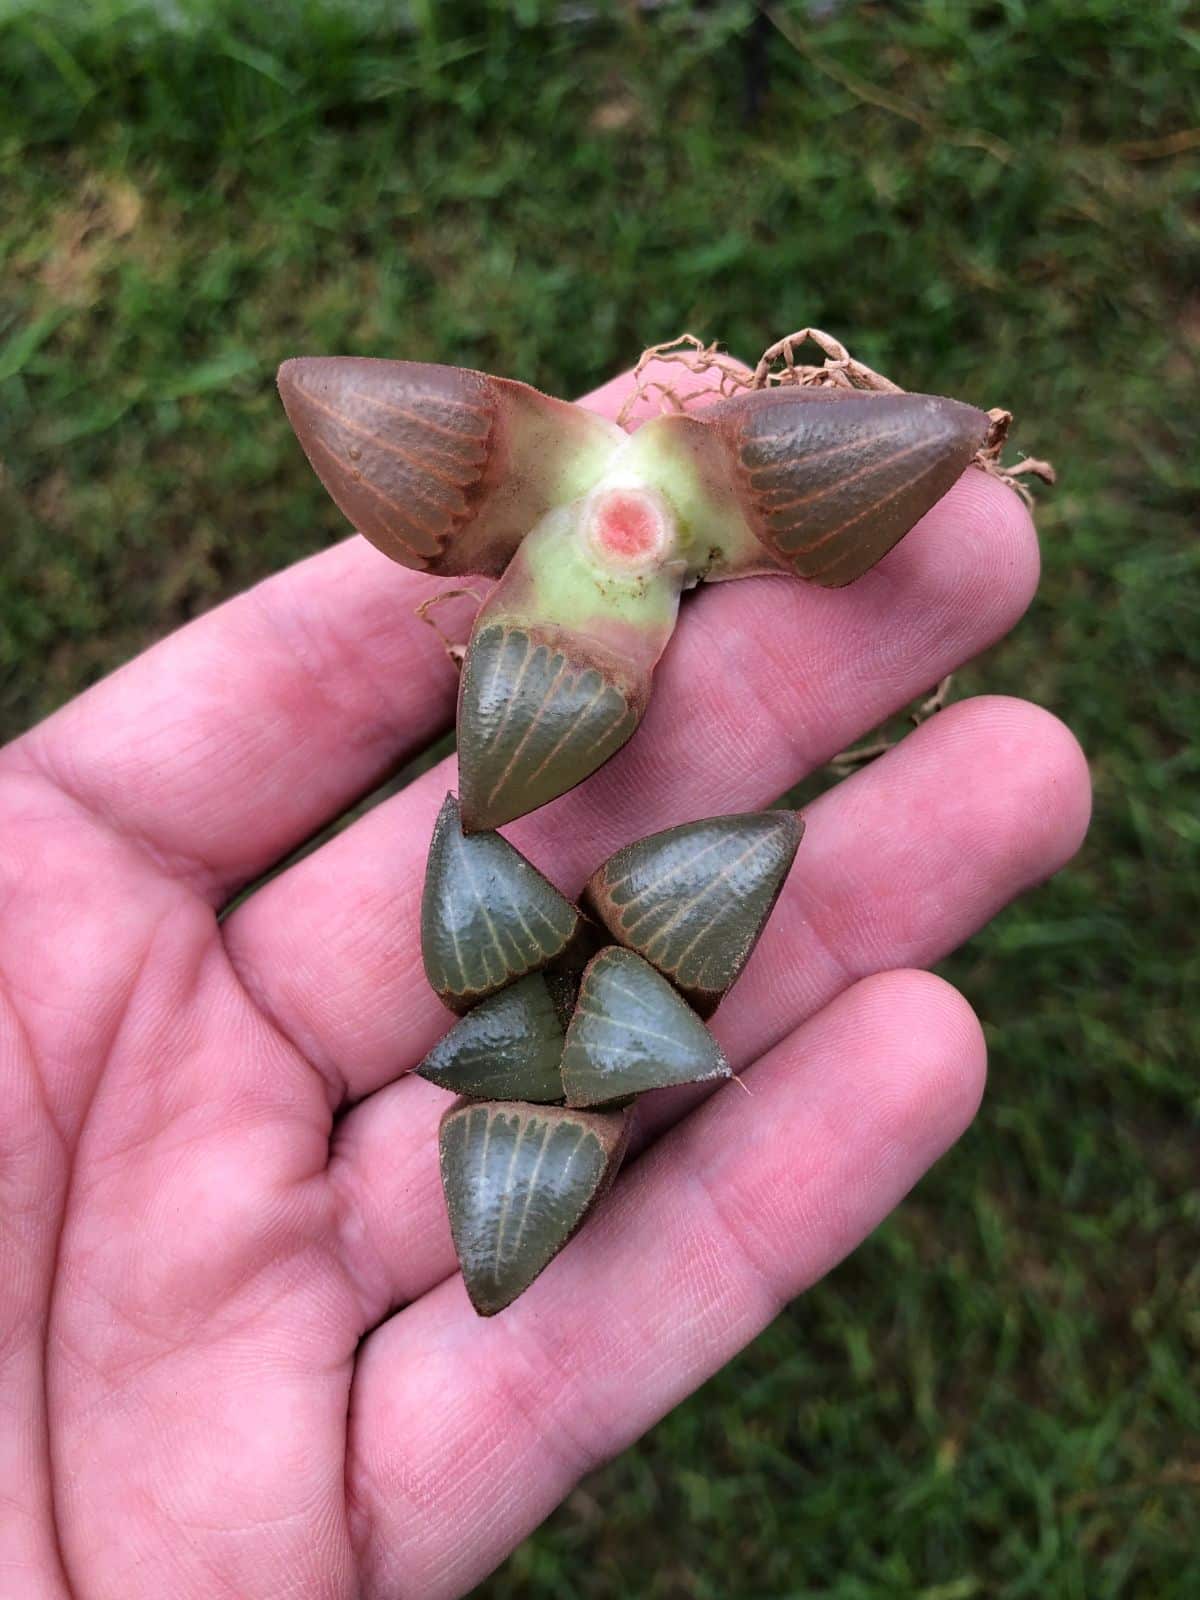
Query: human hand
[207, 1387]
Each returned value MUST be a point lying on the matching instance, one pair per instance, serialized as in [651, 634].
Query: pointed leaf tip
[488, 916]
[694, 899]
[519, 1181]
[631, 1032]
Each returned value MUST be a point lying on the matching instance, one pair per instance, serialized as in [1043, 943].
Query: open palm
[235, 1357]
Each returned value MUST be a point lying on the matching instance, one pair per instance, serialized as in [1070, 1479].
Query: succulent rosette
[564, 1020]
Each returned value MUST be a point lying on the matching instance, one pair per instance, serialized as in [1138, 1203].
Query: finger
[224, 746]
[233, 740]
[899, 864]
[465, 1433]
[764, 679]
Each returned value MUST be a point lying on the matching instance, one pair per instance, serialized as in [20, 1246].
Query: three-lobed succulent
[593, 534]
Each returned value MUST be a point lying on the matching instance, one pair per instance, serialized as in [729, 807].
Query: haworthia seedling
[519, 1180]
[693, 899]
[594, 533]
[632, 1032]
[520, 1170]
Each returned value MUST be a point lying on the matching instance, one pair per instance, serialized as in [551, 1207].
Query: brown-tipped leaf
[519, 1180]
[632, 1032]
[830, 479]
[442, 468]
[509, 1047]
[488, 916]
[693, 899]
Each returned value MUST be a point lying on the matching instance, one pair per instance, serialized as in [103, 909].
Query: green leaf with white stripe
[509, 1047]
[488, 917]
[693, 900]
[631, 1032]
[519, 1180]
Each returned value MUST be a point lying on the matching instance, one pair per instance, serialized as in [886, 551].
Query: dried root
[988, 459]
[454, 650]
[859, 755]
[839, 370]
[691, 353]
[778, 367]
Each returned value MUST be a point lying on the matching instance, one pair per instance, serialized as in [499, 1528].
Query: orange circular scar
[629, 525]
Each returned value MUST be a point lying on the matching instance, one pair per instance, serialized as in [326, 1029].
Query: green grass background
[997, 1395]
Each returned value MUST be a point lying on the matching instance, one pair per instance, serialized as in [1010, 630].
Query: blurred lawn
[997, 1396]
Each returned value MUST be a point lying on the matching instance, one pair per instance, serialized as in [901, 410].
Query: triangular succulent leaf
[693, 899]
[488, 916]
[508, 1047]
[632, 1032]
[828, 480]
[442, 468]
[519, 1180]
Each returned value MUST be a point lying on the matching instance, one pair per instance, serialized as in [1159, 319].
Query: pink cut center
[631, 527]
[627, 525]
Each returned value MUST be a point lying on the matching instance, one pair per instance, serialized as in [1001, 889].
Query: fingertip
[995, 519]
[924, 1055]
[996, 509]
[1049, 769]
[973, 559]
[864, 1097]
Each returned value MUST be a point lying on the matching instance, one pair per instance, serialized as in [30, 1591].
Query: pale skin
[235, 1357]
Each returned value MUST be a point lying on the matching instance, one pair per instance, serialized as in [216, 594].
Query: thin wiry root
[778, 368]
[453, 649]
[848, 761]
[693, 355]
[859, 755]
[839, 370]
[935, 702]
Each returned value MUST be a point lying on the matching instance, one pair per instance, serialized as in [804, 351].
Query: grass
[996, 1396]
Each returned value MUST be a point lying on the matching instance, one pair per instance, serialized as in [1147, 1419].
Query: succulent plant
[567, 1013]
[565, 1021]
[594, 533]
